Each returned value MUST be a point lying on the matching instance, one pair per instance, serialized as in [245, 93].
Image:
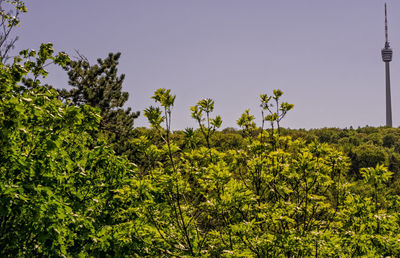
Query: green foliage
[265, 198]
[189, 138]
[56, 182]
[153, 114]
[165, 98]
[292, 199]
[367, 155]
[277, 114]
[253, 197]
[36, 67]
[64, 192]
[246, 122]
[377, 175]
[206, 124]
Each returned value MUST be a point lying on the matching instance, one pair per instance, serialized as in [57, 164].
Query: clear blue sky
[324, 54]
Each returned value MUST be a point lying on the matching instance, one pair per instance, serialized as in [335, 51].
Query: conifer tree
[100, 86]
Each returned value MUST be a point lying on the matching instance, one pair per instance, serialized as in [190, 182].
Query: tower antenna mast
[386, 27]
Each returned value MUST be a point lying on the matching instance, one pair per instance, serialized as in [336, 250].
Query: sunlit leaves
[275, 111]
[164, 97]
[246, 122]
[201, 113]
[377, 175]
[216, 122]
[153, 114]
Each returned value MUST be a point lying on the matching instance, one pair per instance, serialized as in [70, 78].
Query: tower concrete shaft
[388, 97]
[387, 54]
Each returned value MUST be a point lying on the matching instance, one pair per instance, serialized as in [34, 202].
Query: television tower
[387, 53]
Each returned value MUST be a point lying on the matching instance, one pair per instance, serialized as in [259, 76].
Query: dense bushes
[271, 196]
[57, 182]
